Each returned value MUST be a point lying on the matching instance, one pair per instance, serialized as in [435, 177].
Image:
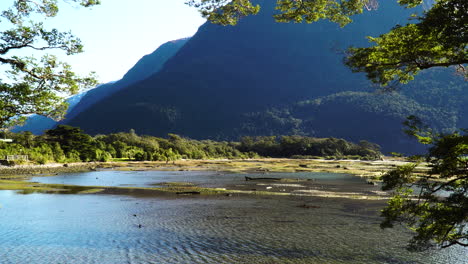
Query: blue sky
[118, 33]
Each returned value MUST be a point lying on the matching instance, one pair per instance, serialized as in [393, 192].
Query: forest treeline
[70, 144]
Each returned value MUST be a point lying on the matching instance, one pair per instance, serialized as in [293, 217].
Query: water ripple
[53, 229]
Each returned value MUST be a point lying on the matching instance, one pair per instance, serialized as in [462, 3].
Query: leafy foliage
[36, 85]
[438, 39]
[228, 12]
[72, 140]
[435, 205]
[224, 12]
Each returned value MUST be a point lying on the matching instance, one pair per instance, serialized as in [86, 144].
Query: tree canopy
[36, 84]
[436, 38]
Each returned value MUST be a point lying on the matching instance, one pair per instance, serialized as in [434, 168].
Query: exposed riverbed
[100, 228]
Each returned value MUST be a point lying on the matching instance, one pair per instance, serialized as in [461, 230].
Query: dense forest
[70, 144]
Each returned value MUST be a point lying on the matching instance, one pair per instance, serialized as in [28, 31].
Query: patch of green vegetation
[120, 159]
[20, 185]
[24, 187]
[90, 191]
[10, 177]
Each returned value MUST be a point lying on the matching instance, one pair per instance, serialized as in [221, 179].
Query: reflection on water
[101, 229]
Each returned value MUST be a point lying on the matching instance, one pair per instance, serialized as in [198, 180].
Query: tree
[439, 38]
[36, 85]
[72, 139]
[434, 205]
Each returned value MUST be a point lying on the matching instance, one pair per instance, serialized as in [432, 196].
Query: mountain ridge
[143, 68]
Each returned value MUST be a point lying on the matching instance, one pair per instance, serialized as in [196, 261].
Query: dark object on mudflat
[261, 179]
[308, 206]
[187, 193]
[303, 165]
[65, 165]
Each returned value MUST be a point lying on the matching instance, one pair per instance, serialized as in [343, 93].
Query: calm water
[52, 228]
[329, 181]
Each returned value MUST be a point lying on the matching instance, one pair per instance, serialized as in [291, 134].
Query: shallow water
[329, 181]
[101, 229]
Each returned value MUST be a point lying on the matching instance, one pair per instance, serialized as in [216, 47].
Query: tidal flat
[16, 177]
[223, 211]
[140, 228]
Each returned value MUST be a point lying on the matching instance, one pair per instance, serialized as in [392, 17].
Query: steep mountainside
[37, 124]
[145, 67]
[262, 77]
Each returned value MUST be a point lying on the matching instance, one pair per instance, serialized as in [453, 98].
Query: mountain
[262, 77]
[37, 124]
[145, 67]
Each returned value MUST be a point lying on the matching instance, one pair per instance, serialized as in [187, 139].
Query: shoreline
[16, 177]
[50, 168]
[363, 168]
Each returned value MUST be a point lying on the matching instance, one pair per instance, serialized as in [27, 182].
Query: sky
[118, 33]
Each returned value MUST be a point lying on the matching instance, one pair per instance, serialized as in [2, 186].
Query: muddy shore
[356, 167]
[16, 177]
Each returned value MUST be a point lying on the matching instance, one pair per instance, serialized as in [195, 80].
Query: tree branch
[19, 64]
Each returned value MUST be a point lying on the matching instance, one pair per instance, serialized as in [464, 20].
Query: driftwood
[262, 179]
[187, 193]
